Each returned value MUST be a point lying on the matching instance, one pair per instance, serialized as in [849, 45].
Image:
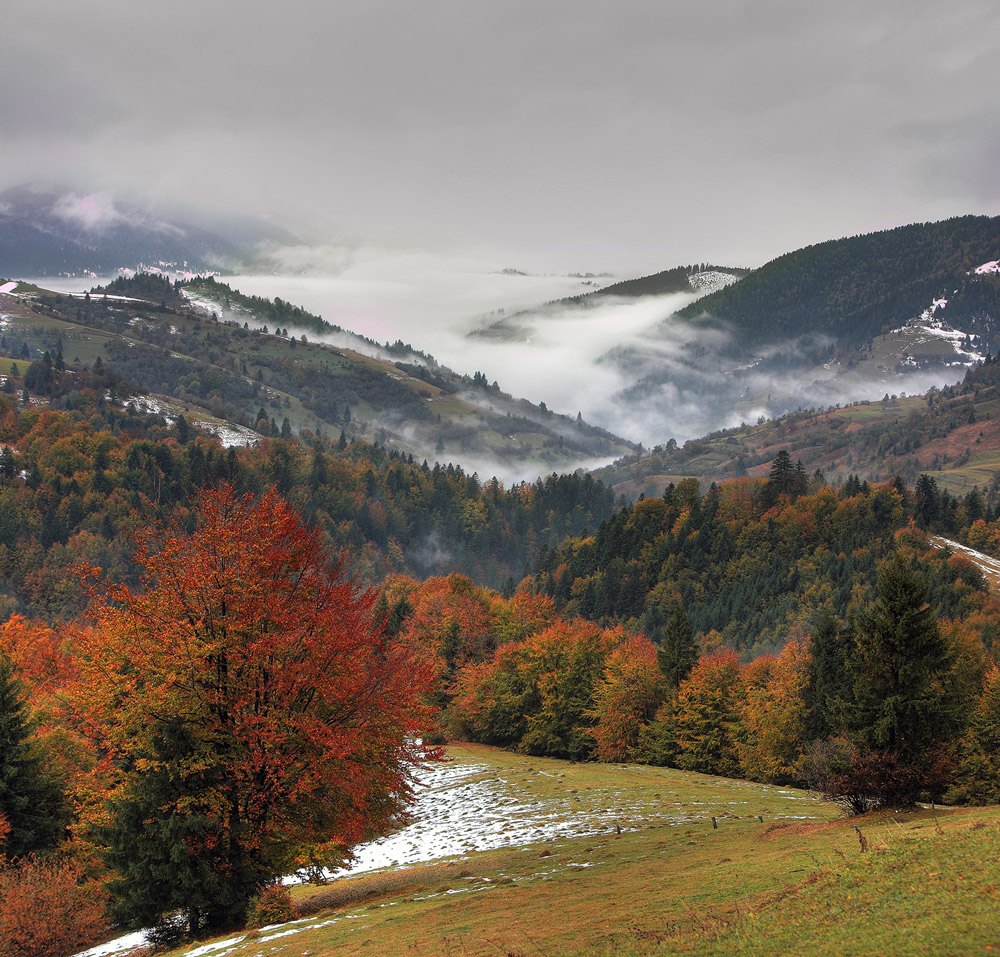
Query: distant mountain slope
[679, 279]
[952, 434]
[690, 280]
[46, 231]
[253, 367]
[853, 289]
[835, 323]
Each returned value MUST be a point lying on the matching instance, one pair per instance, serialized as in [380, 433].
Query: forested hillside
[277, 382]
[76, 482]
[951, 434]
[748, 563]
[852, 289]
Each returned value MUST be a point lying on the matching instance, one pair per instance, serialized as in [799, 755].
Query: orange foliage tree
[537, 694]
[706, 715]
[772, 729]
[254, 716]
[37, 652]
[626, 699]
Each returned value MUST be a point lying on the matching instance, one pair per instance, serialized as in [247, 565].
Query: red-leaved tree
[253, 715]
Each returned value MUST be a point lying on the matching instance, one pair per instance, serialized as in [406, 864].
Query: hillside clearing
[669, 882]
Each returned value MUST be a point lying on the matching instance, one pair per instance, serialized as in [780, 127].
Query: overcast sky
[551, 135]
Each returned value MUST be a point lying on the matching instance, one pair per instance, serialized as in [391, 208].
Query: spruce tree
[30, 797]
[828, 675]
[166, 861]
[901, 721]
[678, 651]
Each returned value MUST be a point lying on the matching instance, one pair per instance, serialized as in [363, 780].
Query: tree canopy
[255, 717]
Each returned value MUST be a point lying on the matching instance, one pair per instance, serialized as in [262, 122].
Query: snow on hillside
[986, 268]
[228, 433]
[710, 281]
[988, 565]
[463, 806]
[929, 325]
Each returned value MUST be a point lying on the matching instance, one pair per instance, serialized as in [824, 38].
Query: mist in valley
[626, 364]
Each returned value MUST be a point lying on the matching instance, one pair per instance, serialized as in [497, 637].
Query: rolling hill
[272, 368]
[951, 434]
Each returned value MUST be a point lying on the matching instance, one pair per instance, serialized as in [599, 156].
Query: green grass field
[800, 882]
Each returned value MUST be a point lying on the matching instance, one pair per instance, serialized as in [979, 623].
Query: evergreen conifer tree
[828, 678]
[901, 722]
[678, 651]
[30, 797]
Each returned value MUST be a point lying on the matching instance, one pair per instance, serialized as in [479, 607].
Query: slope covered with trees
[76, 482]
[852, 289]
[265, 376]
[951, 434]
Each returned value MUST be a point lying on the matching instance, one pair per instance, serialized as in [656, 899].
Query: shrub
[273, 905]
[49, 909]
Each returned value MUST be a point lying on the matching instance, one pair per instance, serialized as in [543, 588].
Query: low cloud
[98, 213]
[626, 364]
[94, 212]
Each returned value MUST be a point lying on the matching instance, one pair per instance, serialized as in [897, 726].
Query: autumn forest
[219, 666]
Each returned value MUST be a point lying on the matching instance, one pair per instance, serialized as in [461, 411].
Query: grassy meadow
[644, 871]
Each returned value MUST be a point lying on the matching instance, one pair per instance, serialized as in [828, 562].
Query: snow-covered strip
[927, 319]
[207, 306]
[928, 313]
[229, 434]
[930, 326]
[8, 287]
[144, 403]
[987, 563]
[711, 280]
[226, 432]
[120, 945]
[463, 807]
[108, 296]
[985, 268]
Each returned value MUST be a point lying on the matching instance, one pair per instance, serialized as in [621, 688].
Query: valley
[684, 650]
[501, 479]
